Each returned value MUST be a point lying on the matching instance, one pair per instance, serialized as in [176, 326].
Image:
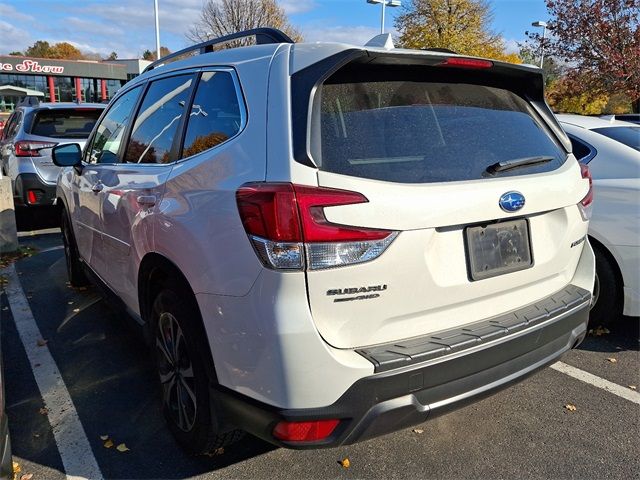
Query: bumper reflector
[304, 431]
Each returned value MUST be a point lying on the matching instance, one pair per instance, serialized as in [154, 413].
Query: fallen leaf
[16, 468]
[599, 331]
[44, 411]
[26, 476]
[345, 462]
[42, 342]
[69, 303]
[570, 407]
[104, 438]
[215, 453]
[633, 387]
[36, 435]
[122, 448]
[4, 309]
[108, 444]
[418, 430]
[76, 310]
[612, 360]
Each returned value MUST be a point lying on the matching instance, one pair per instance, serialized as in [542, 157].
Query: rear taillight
[461, 62]
[288, 227]
[29, 148]
[312, 431]
[586, 204]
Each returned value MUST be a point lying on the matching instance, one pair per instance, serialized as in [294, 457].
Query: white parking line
[71, 439]
[596, 381]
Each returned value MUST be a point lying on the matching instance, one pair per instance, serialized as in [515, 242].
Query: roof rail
[264, 35]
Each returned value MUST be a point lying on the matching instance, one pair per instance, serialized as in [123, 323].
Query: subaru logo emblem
[511, 201]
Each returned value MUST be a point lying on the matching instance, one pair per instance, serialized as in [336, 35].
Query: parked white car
[614, 230]
[329, 242]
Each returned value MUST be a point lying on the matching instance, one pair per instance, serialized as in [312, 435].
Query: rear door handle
[146, 200]
[97, 188]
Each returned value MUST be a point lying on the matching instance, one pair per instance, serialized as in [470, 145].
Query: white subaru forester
[328, 242]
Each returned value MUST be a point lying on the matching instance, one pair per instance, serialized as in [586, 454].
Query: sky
[127, 26]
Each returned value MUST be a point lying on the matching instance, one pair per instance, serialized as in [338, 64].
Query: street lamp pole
[385, 3]
[542, 24]
[155, 12]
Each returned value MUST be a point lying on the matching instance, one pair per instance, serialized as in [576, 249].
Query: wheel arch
[600, 247]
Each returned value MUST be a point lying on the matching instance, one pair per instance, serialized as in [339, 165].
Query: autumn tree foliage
[223, 17]
[458, 25]
[600, 42]
[60, 50]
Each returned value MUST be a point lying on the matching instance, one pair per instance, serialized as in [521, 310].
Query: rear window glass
[630, 136]
[65, 123]
[420, 132]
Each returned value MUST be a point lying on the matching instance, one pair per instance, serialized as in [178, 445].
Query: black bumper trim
[31, 181]
[399, 398]
[420, 349]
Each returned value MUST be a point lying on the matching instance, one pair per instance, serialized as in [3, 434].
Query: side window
[215, 114]
[158, 119]
[582, 151]
[108, 137]
[15, 125]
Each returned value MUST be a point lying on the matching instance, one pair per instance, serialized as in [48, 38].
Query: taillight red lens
[32, 197]
[284, 212]
[586, 173]
[270, 211]
[316, 227]
[466, 63]
[304, 431]
[28, 148]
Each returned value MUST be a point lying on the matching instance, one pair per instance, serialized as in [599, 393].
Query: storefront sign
[31, 66]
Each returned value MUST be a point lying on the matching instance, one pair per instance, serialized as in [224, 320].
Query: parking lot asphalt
[522, 432]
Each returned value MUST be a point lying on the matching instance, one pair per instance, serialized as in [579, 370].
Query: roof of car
[302, 55]
[59, 105]
[591, 122]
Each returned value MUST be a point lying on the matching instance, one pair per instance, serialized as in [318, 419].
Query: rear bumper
[45, 193]
[6, 467]
[398, 397]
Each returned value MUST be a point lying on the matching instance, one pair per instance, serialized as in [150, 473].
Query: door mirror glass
[68, 155]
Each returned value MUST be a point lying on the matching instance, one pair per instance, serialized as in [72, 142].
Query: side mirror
[68, 155]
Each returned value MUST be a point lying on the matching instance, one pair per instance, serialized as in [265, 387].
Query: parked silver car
[30, 134]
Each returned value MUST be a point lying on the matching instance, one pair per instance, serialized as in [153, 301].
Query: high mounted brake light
[287, 224]
[462, 62]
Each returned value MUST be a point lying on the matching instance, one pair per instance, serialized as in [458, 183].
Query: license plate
[498, 248]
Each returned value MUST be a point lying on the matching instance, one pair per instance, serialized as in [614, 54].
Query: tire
[185, 371]
[75, 270]
[607, 292]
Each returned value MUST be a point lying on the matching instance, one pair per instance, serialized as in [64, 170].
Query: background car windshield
[65, 123]
[420, 132]
[630, 136]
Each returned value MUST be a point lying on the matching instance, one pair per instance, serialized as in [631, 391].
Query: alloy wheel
[176, 372]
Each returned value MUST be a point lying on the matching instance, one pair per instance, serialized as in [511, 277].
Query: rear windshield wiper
[516, 163]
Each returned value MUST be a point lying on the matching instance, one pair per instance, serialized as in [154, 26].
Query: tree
[16, 53]
[40, 49]
[61, 50]
[458, 25]
[600, 42]
[223, 17]
[151, 56]
[65, 50]
[112, 56]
